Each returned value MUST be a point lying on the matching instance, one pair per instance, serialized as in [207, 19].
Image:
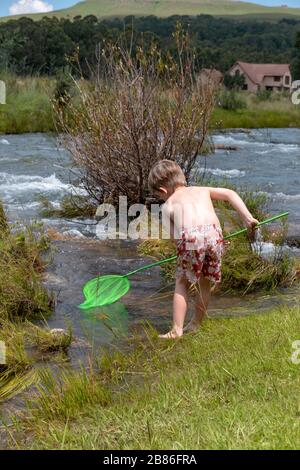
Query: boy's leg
[201, 303]
[180, 303]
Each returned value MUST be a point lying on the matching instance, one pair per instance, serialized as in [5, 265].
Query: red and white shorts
[199, 251]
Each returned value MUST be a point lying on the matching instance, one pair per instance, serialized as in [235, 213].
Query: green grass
[277, 110]
[252, 119]
[230, 386]
[27, 346]
[70, 206]
[163, 8]
[23, 297]
[47, 341]
[28, 107]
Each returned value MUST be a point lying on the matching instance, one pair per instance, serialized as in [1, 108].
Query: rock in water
[58, 332]
[73, 233]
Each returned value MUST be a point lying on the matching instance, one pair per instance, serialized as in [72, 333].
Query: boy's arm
[228, 195]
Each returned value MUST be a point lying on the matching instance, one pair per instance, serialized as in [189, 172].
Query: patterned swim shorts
[199, 251]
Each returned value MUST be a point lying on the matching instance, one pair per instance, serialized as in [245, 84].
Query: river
[32, 165]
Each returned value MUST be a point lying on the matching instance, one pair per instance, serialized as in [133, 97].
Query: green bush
[230, 100]
[63, 87]
[263, 95]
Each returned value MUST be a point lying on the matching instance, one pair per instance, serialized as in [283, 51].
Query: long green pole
[231, 235]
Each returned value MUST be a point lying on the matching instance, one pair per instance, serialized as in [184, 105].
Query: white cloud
[30, 6]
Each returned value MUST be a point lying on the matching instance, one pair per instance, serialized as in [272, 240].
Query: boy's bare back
[189, 207]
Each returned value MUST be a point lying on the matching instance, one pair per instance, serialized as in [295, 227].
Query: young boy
[193, 223]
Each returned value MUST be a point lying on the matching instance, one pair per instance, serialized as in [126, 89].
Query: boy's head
[165, 177]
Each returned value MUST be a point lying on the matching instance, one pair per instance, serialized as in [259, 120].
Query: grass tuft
[67, 396]
[49, 341]
[71, 206]
[21, 294]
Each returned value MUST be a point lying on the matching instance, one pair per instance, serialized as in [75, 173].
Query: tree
[234, 82]
[297, 63]
[141, 108]
[41, 46]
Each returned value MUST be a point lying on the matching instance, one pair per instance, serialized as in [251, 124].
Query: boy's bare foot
[173, 334]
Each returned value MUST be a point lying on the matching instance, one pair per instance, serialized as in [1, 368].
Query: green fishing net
[104, 290]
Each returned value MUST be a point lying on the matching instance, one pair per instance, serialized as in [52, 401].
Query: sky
[13, 7]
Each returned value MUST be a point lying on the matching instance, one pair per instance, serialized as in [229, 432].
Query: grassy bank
[22, 296]
[23, 299]
[230, 386]
[251, 111]
[253, 118]
[29, 109]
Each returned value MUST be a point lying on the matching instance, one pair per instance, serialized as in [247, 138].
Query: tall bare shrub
[139, 108]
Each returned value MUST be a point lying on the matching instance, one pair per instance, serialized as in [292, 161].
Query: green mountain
[163, 8]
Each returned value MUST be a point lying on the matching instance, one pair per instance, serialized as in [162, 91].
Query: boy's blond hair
[166, 174]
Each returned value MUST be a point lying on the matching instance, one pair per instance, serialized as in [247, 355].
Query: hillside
[163, 8]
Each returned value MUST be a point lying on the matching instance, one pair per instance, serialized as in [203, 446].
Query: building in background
[271, 77]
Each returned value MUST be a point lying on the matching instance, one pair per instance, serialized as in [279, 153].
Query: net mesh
[104, 290]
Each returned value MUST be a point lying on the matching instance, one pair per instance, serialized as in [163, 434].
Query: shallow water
[33, 165]
[149, 298]
[265, 160]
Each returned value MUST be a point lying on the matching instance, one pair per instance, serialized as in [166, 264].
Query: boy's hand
[251, 223]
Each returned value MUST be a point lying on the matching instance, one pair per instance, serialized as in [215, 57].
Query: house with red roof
[272, 77]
